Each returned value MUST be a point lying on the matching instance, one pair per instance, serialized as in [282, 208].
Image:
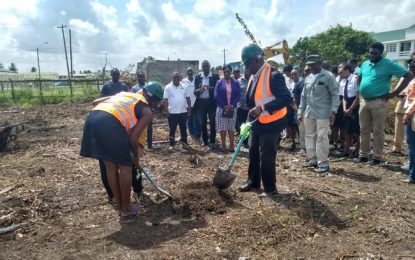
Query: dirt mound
[203, 198]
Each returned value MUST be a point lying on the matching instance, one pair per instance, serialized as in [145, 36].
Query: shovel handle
[235, 154]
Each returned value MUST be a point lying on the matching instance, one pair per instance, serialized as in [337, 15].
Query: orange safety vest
[122, 106]
[263, 95]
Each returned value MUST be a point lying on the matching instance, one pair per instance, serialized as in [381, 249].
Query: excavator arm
[269, 51]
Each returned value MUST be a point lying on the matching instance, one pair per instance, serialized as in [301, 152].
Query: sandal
[129, 215]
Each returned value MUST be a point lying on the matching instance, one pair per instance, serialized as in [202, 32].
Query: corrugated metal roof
[391, 35]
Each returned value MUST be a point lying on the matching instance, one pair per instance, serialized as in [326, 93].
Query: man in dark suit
[267, 98]
[205, 103]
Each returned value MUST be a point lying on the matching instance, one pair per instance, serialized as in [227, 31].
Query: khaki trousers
[372, 116]
[317, 140]
[398, 144]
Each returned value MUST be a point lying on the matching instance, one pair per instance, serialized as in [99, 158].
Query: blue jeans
[194, 125]
[410, 139]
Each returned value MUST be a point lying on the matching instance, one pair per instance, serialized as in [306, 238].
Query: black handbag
[228, 113]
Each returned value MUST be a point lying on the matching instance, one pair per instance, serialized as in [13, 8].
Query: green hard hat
[154, 89]
[250, 51]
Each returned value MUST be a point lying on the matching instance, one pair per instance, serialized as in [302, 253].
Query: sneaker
[322, 169]
[409, 181]
[268, 194]
[309, 164]
[405, 167]
[374, 162]
[361, 160]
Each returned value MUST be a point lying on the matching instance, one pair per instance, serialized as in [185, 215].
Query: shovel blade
[223, 179]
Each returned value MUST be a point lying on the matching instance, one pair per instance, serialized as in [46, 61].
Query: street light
[38, 64]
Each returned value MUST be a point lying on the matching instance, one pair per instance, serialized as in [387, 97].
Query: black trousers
[150, 134]
[136, 184]
[207, 111]
[181, 120]
[262, 156]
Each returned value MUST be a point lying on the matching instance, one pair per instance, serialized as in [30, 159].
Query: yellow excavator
[269, 51]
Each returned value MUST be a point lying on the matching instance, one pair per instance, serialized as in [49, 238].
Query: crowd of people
[341, 109]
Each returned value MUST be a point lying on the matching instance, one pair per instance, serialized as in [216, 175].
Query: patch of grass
[30, 96]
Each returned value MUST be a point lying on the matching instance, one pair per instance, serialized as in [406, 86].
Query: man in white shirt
[177, 106]
[193, 121]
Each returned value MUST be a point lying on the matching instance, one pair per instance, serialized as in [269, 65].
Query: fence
[48, 91]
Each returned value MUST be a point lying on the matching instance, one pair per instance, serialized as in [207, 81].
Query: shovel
[140, 171]
[224, 178]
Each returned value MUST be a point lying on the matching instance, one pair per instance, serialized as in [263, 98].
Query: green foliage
[29, 96]
[149, 59]
[13, 67]
[337, 44]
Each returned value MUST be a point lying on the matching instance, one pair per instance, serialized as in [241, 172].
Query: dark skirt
[104, 138]
[339, 121]
[351, 124]
[291, 117]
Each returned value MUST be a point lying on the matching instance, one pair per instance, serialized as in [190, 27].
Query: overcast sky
[129, 30]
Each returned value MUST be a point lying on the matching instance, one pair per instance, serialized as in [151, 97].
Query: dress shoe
[247, 187]
[268, 194]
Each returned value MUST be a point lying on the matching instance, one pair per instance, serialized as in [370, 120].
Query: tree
[149, 58]
[33, 69]
[1, 66]
[337, 44]
[12, 67]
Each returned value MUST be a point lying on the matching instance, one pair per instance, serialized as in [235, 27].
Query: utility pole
[224, 57]
[38, 69]
[70, 51]
[105, 65]
[66, 55]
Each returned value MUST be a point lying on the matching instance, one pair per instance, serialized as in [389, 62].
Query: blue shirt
[111, 88]
[376, 77]
[137, 87]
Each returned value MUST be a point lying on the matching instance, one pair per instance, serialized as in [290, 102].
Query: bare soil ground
[357, 212]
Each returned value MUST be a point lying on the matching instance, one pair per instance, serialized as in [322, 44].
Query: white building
[399, 44]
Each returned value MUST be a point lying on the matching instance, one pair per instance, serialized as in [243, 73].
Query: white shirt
[205, 82]
[351, 86]
[289, 83]
[176, 97]
[190, 87]
[340, 84]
